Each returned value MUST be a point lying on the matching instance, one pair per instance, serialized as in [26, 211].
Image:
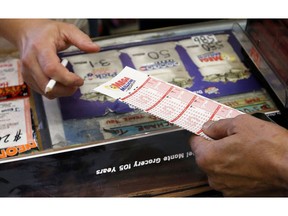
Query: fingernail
[79, 82]
[90, 43]
[207, 124]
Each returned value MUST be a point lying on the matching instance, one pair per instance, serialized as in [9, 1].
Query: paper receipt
[164, 100]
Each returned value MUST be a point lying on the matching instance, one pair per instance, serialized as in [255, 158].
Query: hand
[38, 42]
[249, 156]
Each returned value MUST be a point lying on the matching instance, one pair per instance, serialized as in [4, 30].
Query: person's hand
[38, 42]
[248, 156]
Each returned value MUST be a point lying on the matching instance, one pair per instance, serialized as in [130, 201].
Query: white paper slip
[15, 123]
[164, 100]
[10, 73]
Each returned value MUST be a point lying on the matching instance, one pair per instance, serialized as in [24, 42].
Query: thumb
[217, 129]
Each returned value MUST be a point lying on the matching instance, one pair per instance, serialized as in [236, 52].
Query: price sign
[204, 39]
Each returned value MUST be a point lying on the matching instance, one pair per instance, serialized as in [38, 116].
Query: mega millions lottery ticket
[174, 104]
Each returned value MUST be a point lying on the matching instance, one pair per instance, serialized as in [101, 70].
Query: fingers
[215, 130]
[60, 91]
[196, 142]
[32, 74]
[37, 80]
[36, 75]
[67, 82]
[39, 44]
[219, 129]
[80, 40]
[207, 152]
[202, 150]
[53, 69]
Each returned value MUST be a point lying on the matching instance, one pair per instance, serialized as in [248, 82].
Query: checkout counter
[91, 146]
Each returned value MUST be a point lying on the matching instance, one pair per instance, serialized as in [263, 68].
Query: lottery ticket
[169, 102]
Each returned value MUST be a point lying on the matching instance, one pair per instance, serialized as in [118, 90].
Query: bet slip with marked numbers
[177, 105]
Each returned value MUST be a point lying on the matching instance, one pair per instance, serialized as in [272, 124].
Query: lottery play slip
[164, 100]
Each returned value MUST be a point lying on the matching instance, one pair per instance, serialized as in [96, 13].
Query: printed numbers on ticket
[164, 100]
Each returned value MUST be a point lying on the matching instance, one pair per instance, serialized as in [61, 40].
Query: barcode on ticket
[171, 103]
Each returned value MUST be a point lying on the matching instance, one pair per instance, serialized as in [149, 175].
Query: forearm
[13, 30]
[10, 29]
